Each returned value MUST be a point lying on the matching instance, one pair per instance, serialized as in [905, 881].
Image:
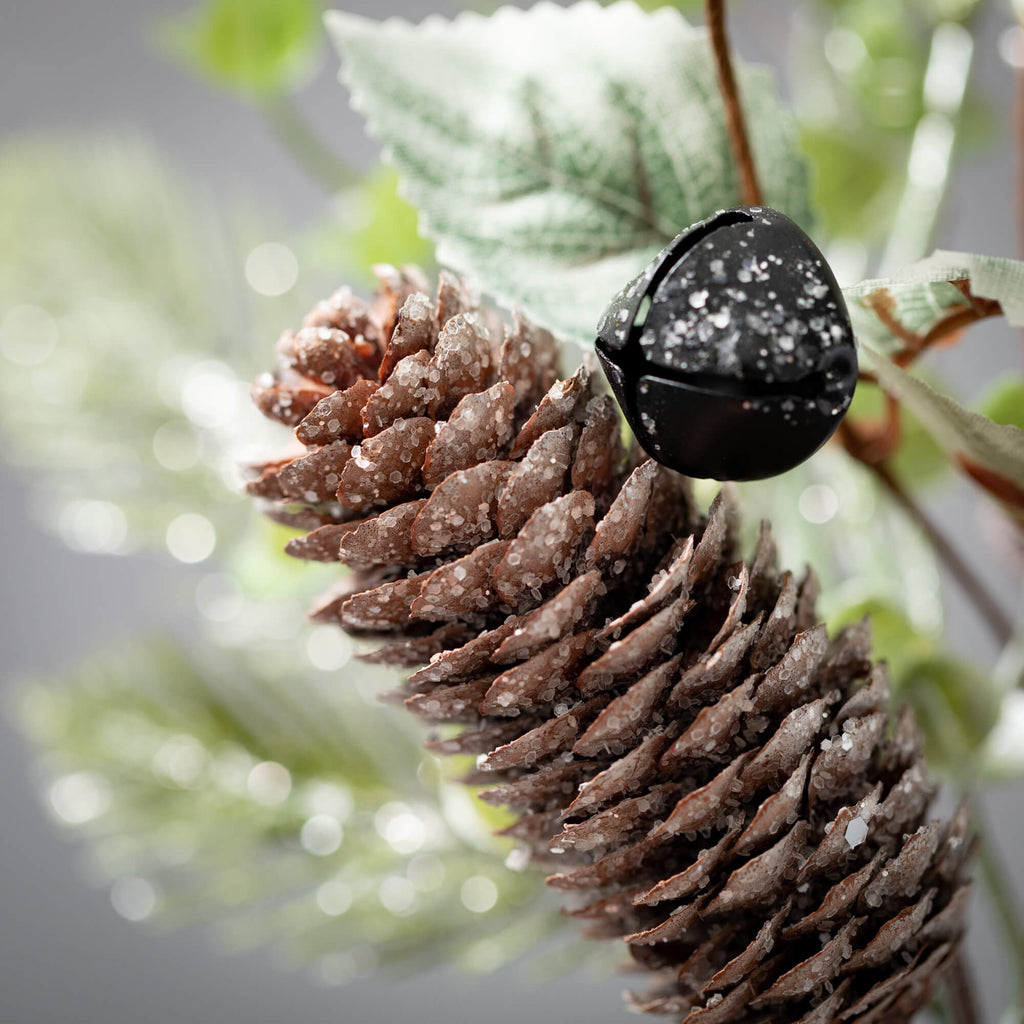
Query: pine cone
[712, 776]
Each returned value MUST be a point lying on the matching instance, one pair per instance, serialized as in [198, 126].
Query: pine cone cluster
[712, 778]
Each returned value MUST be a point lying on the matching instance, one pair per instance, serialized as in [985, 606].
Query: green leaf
[918, 460]
[956, 710]
[1004, 403]
[552, 153]
[971, 438]
[255, 47]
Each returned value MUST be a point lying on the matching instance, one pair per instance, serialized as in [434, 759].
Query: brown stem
[962, 992]
[989, 609]
[715, 16]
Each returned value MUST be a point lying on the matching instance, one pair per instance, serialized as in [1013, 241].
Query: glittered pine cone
[713, 780]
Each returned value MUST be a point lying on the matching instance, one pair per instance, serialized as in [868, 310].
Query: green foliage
[1004, 403]
[254, 47]
[553, 152]
[284, 810]
[919, 460]
[370, 224]
[998, 448]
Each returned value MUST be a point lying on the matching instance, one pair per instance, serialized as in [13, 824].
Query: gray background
[64, 954]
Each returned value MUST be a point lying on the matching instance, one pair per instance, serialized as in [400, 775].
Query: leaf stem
[988, 607]
[294, 131]
[715, 17]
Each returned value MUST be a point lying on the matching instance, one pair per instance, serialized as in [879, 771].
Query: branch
[715, 17]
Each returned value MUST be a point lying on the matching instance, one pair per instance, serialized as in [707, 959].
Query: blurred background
[164, 213]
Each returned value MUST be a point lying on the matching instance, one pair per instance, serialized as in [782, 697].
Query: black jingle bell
[732, 354]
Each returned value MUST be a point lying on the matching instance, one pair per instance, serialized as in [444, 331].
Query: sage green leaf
[918, 298]
[552, 153]
[255, 47]
[972, 439]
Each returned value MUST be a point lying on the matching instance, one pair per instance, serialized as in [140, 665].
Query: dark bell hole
[641, 312]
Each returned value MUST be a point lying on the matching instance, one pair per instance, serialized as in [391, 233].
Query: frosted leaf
[478, 430]
[551, 202]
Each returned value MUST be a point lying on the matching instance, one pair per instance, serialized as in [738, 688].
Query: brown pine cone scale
[713, 780]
